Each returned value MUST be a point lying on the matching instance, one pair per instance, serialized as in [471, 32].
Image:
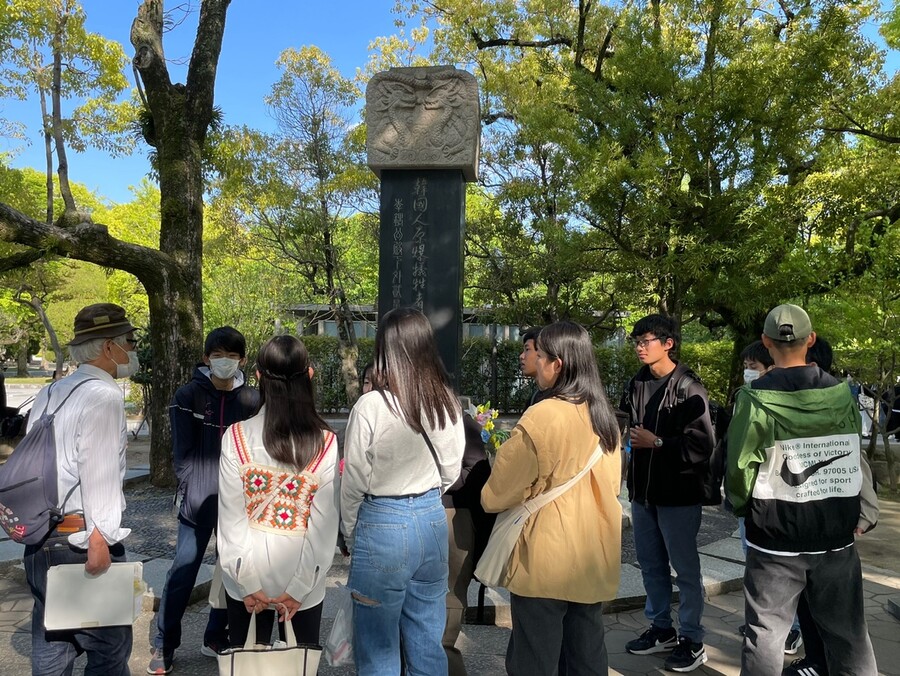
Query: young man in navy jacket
[200, 412]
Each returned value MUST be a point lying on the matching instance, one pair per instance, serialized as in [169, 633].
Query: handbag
[217, 595]
[263, 660]
[493, 564]
[339, 644]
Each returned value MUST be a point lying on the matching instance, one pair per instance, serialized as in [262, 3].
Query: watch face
[657, 442]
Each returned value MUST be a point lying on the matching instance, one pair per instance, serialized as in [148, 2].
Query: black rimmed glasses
[642, 343]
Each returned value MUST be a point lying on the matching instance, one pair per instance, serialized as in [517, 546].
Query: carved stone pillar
[423, 127]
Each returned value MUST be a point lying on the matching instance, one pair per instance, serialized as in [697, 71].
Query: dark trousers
[53, 653]
[544, 629]
[189, 550]
[832, 583]
[812, 641]
[461, 557]
[306, 624]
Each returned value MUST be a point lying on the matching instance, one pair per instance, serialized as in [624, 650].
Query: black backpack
[29, 499]
[714, 474]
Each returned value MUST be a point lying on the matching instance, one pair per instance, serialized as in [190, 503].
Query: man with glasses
[90, 450]
[671, 442]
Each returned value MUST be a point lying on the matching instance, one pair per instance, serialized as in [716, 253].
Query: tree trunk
[35, 304]
[348, 347]
[176, 309]
[181, 117]
[22, 360]
[62, 166]
[48, 152]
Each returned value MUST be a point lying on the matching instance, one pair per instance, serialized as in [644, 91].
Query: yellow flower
[489, 425]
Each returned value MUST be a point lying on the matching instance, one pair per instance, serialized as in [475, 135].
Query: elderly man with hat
[90, 450]
[795, 473]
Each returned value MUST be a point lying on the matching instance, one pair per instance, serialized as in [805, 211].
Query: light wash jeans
[664, 535]
[398, 579]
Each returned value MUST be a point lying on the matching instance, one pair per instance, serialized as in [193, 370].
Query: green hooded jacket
[806, 443]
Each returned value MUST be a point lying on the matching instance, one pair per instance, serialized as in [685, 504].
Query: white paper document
[76, 600]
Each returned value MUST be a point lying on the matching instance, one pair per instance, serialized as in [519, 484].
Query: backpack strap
[62, 508]
[71, 392]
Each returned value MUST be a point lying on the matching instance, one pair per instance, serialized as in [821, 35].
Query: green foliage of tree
[296, 191]
[679, 157]
[45, 48]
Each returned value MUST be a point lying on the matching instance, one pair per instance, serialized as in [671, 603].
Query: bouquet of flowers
[490, 434]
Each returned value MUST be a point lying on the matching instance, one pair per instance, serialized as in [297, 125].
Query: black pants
[306, 624]
[543, 629]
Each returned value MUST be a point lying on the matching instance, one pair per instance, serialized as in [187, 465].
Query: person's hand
[98, 559]
[286, 606]
[256, 602]
[859, 531]
[642, 438]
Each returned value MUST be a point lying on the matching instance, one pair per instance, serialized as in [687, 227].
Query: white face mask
[750, 375]
[224, 368]
[129, 369]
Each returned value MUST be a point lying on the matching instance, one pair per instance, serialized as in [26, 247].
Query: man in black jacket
[671, 442]
[200, 413]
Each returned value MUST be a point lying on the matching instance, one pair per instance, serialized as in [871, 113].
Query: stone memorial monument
[423, 141]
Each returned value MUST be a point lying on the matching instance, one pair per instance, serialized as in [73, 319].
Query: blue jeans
[664, 535]
[189, 550]
[398, 580]
[53, 653]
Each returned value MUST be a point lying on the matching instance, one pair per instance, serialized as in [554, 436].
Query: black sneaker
[654, 640]
[793, 642]
[804, 667]
[686, 656]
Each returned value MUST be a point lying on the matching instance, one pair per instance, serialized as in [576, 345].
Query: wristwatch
[658, 442]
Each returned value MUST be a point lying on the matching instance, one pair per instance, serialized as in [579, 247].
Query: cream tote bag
[263, 660]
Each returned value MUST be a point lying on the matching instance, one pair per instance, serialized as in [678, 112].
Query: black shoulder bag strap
[437, 462]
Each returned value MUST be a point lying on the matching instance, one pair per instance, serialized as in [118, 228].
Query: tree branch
[87, 242]
[554, 41]
[21, 260]
[149, 57]
[201, 76]
[859, 131]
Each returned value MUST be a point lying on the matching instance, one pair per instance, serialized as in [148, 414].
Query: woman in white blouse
[403, 448]
[278, 502]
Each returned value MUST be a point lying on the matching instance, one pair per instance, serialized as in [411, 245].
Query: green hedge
[711, 361]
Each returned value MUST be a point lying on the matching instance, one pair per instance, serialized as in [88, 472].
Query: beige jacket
[571, 549]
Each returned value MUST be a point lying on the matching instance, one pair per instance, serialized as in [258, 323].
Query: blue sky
[256, 32]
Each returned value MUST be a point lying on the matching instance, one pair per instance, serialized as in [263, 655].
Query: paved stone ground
[151, 516]
[483, 647]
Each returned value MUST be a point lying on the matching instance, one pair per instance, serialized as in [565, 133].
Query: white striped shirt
[91, 438]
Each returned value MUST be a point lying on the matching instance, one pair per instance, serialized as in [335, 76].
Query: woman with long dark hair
[567, 559]
[276, 543]
[403, 448]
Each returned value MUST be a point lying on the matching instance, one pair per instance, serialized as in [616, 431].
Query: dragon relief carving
[422, 117]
